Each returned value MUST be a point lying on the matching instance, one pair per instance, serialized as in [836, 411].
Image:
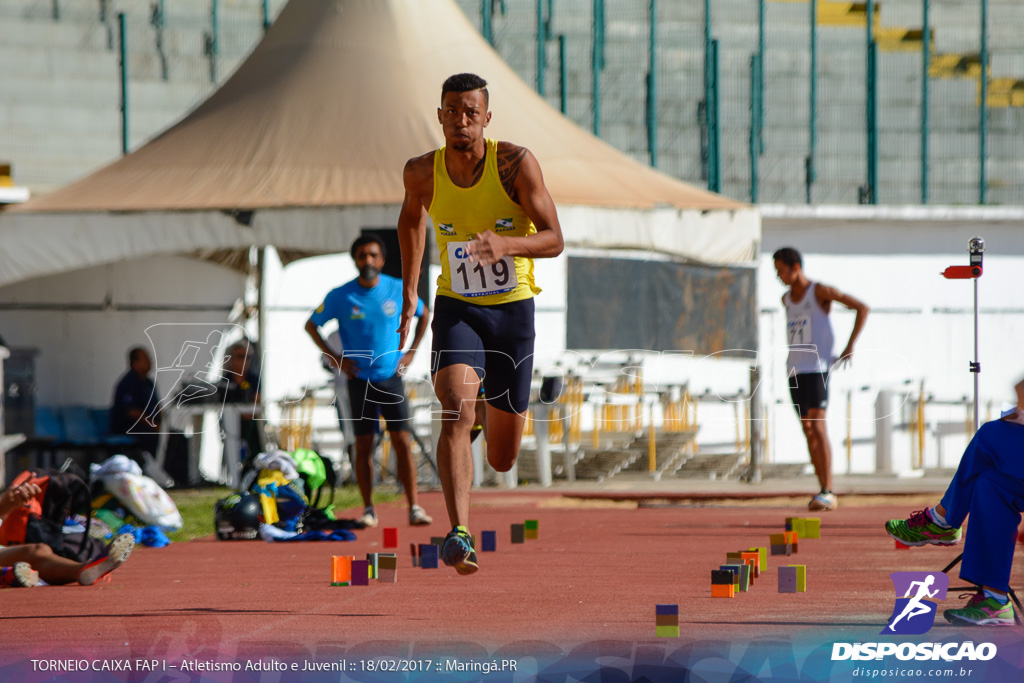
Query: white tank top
[809, 334]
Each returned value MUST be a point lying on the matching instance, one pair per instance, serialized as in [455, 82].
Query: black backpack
[62, 494]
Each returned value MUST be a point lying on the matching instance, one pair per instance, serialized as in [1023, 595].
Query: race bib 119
[472, 278]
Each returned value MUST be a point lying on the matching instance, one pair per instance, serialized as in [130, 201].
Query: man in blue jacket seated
[134, 411]
[988, 486]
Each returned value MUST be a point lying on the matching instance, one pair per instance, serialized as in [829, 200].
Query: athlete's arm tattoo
[509, 159]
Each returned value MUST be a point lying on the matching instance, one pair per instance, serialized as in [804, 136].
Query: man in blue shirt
[368, 310]
[135, 408]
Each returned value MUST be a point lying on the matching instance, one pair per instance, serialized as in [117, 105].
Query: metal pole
[122, 32]
[542, 39]
[212, 47]
[487, 14]
[977, 364]
[756, 432]
[872, 121]
[652, 86]
[755, 133]
[760, 77]
[717, 131]
[926, 58]
[563, 75]
[598, 63]
[983, 114]
[708, 166]
[810, 172]
[266, 15]
[4, 355]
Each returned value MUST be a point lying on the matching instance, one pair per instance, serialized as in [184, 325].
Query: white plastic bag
[144, 498]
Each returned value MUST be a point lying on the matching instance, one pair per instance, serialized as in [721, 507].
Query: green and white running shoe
[457, 551]
[981, 611]
[920, 529]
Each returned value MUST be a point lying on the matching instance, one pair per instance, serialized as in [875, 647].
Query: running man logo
[446, 228]
[914, 613]
[503, 225]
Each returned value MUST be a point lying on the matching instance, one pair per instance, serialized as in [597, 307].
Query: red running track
[595, 574]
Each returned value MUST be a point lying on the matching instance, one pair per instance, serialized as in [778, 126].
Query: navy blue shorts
[371, 400]
[809, 391]
[497, 341]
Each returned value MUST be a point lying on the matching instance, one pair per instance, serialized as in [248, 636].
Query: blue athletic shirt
[368, 324]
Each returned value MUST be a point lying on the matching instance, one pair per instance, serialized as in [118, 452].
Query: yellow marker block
[763, 557]
[812, 528]
[801, 577]
[667, 631]
[798, 527]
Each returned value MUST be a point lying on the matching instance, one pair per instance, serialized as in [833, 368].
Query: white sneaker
[826, 500]
[117, 553]
[418, 517]
[369, 518]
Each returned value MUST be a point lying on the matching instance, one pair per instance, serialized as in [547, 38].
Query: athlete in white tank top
[811, 357]
[809, 333]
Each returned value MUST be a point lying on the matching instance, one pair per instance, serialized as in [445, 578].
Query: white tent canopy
[312, 132]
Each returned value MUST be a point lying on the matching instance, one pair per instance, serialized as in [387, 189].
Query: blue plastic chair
[48, 424]
[79, 427]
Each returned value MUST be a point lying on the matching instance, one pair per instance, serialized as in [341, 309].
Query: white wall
[84, 322]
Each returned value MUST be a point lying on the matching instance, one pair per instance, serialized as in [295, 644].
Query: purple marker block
[360, 573]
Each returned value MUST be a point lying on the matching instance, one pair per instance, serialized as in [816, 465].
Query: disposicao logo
[914, 613]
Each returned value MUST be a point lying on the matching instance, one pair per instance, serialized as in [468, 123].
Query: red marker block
[390, 537]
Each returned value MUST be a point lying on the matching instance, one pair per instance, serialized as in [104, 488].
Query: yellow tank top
[458, 214]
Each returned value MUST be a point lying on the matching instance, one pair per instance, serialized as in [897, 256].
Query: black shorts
[370, 400]
[809, 391]
[495, 340]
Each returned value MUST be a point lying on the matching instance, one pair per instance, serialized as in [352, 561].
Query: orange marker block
[723, 590]
[341, 570]
[752, 558]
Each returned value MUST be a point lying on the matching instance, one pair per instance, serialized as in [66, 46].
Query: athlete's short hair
[789, 256]
[465, 83]
[367, 238]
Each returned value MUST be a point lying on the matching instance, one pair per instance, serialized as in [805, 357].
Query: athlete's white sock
[998, 597]
[938, 519]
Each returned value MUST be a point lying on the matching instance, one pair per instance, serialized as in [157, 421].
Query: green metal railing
[795, 107]
[122, 43]
[926, 61]
[652, 85]
[983, 109]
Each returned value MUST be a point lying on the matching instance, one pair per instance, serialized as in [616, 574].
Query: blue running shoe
[458, 552]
